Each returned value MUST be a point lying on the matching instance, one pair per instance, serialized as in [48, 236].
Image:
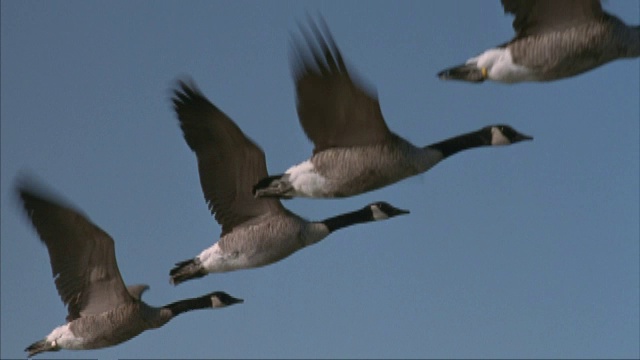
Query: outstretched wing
[542, 16]
[334, 109]
[229, 163]
[82, 256]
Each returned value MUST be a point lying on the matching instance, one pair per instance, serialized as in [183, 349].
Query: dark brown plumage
[334, 109]
[83, 260]
[229, 163]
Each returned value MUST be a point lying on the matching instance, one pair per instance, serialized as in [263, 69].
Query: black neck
[462, 142]
[181, 306]
[348, 219]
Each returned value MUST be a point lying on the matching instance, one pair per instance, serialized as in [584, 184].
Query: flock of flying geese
[354, 152]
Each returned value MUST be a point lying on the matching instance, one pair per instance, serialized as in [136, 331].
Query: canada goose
[355, 151]
[102, 311]
[255, 232]
[554, 40]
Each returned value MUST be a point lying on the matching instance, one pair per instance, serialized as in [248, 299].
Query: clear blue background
[523, 251]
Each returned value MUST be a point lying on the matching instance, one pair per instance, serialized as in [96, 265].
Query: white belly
[500, 67]
[306, 181]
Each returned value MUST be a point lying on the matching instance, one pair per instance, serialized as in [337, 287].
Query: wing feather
[229, 163]
[82, 256]
[542, 16]
[334, 109]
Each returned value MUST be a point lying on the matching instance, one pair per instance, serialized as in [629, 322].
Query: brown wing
[82, 256]
[541, 16]
[229, 163]
[333, 108]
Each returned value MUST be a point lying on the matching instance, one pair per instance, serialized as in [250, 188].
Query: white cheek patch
[216, 303]
[306, 181]
[378, 214]
[498, 138]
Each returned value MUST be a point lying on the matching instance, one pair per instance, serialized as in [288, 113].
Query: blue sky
[523, 251]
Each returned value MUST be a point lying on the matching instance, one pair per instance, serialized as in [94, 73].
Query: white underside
[306, 181]
[64, 338]
[214, 260]
[500, 67]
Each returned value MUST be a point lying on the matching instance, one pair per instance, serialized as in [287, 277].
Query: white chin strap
[498, 138]
[378, 214]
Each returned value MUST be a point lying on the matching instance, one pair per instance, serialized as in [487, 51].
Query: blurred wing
[82, 256]
[334, 109]
[542, 16]
[229, 163]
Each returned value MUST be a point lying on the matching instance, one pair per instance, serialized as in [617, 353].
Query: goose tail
[38, 347]
[186, 270]
[466, 72]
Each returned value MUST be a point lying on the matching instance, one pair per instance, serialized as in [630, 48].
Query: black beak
[522, 137]
[235, 301]
[401, 212]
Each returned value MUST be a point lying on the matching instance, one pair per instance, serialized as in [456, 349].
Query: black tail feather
[186, 270]
[38, 347]
[466, 72]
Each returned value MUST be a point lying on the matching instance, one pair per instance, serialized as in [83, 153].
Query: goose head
[503, 135]
[221, 299]
[382, 210]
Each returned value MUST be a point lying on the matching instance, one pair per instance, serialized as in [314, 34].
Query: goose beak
[236, 301]
[401, 212]
[522, 137]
